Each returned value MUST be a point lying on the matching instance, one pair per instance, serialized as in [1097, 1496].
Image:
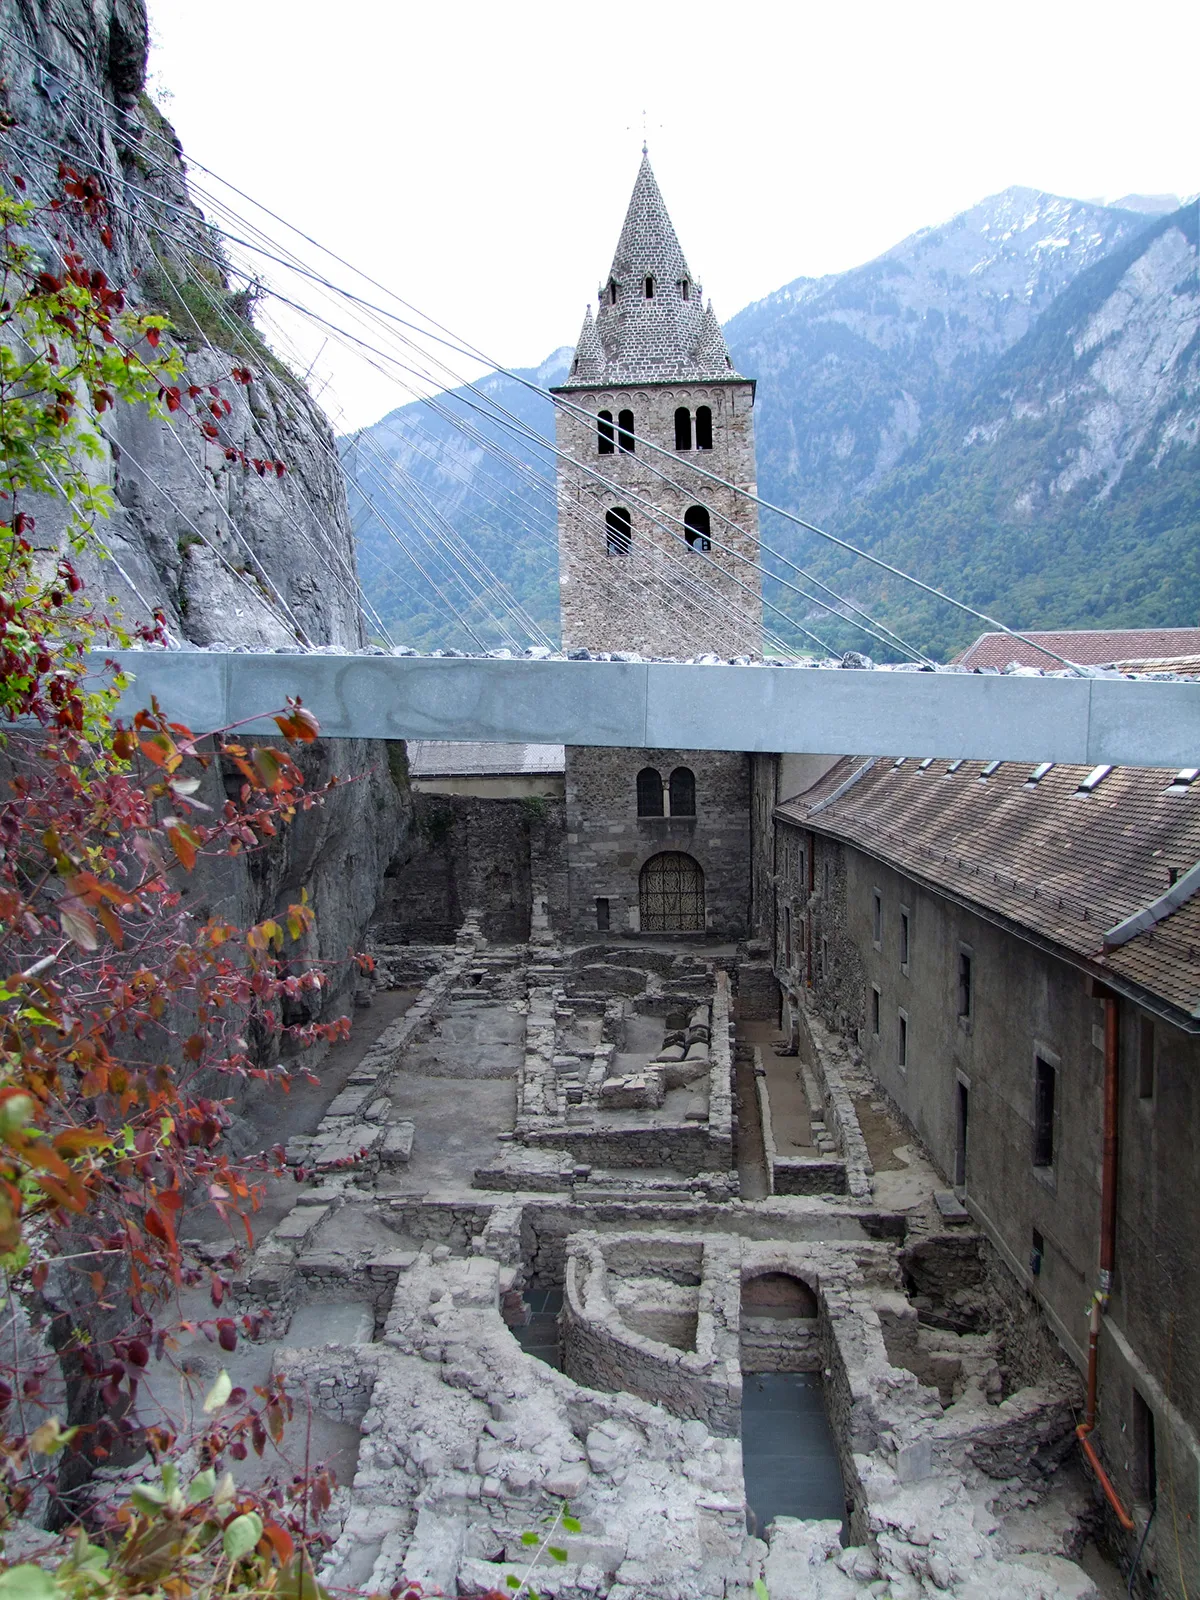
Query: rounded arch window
[683, 429]
[697, 528]
[683, 792]
[671, 894]
[649, 793]
[704, 433]
[625, 438]
[606, 439]
[618, 526]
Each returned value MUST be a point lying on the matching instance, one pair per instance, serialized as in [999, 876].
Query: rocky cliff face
[227, 554]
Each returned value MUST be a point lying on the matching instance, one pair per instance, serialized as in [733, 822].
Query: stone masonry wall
[663, 598]
[608, 843]
[473, 854]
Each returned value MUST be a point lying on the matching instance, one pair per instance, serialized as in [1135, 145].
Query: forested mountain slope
[1064, 489]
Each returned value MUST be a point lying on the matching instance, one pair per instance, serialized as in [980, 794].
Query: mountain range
[1006, 406]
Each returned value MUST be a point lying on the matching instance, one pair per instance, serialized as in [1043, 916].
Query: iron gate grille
[672, 894]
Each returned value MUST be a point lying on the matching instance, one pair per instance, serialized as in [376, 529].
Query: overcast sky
[479, 157]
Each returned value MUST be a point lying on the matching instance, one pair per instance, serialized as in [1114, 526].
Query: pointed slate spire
[652, 325]
[588, 364]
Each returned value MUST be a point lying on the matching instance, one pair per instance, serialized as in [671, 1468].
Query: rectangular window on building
[787, 936]
[1037, 1254]
[903, 1046]
[824, 958]
[875, 1010]
[965, 986]
[1146, 1059]
[905, 937]
[803, 872]
[602, 913]
[877, 919]
[1043, 1113]
[1145, 1462]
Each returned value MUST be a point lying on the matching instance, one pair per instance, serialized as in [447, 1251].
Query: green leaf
[27, 1582]
[219, 1393]
[559, 1555]
[148, 1498]
[242, 1534]
[202, 1487]
[760, 1590]
[513, 1581]
[572, 1524]
[529, 1538]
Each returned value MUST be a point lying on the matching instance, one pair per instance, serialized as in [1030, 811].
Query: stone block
[396, 1148]
[347, 1104]
[300, 1222]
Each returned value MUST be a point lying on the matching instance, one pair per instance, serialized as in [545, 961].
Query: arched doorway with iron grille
[671, 894]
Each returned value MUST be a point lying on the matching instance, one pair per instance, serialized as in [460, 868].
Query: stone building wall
[1027, 1003]
[663, 598]
[608, 843]
[473, 854]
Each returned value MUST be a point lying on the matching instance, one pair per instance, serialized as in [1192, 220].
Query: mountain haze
[1005, 404]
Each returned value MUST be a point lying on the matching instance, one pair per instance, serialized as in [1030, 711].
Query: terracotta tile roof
[1088, 647]
[1063, 864]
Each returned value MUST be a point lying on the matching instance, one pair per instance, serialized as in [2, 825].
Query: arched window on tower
[683, 429]
[703, 428]
[649, 288]
[625, 432]
[697, 529]
[618, 531]
[683, 792]
[685, 289]
[649, 793]
[606, 439]
[612, 291]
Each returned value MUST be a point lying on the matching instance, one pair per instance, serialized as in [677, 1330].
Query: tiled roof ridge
[1048, 872]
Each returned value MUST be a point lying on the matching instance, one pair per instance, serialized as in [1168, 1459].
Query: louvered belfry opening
[671, 894]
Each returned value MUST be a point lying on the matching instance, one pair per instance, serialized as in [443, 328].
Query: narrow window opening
[649, 793]
[962, 1119]
[619, 531]
[697, 528]
[904, 939]
[1043, 1114]
[602, 913]
[683, 429]
[685, 289]
[683, 792]
[1037, 1254]
[824, 958]
[875, 1010]
[1145, 1452]
[1146, 1060]
[787, 936]
[877, 919]
[704, 434]
[965, 976]
[625, 440]
[902, 1052]
[649, 288]
[612, 291]
[605, 438]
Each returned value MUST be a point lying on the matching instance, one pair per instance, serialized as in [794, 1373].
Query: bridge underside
[646, 705]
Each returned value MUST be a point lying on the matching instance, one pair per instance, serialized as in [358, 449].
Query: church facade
[658, 556]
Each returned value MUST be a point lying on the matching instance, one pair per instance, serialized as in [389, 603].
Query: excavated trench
[789, 1458]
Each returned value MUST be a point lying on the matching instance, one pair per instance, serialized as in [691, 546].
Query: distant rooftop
[432, 758]
[1087, 647]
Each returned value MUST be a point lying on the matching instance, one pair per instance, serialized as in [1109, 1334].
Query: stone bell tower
[654, 556]
[659, 558]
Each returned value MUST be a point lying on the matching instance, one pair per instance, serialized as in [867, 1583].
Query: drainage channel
[539, 1335]
[789, 1458]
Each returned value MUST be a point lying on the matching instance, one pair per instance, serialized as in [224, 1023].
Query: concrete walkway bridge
[1098, 718]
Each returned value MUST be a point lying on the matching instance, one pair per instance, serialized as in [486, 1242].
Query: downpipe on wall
[1108, 1235]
